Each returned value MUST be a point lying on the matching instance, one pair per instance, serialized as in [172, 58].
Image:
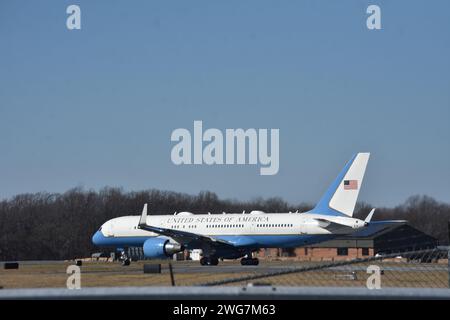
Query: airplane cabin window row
[283, 225]
[274, 225]
[225, 226]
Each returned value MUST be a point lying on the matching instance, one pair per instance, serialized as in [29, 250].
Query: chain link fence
[414, 269]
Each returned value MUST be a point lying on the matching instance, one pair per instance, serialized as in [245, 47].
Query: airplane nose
[96, 238]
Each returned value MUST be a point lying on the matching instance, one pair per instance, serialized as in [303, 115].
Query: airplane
[239, 235]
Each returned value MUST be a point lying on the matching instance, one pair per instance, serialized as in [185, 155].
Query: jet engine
[161, 247]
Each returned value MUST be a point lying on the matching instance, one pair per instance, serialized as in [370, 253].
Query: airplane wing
[183, 237]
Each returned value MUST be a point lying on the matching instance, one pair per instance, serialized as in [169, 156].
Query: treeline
[60, 226]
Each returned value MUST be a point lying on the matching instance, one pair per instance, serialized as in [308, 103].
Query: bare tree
[60, 226]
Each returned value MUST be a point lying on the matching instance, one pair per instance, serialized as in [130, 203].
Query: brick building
[368, 242]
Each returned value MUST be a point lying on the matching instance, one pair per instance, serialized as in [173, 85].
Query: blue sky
[96, 107]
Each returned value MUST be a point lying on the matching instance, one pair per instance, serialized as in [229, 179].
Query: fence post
[172, 279]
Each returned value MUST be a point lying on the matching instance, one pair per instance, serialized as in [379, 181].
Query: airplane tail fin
[341, 196]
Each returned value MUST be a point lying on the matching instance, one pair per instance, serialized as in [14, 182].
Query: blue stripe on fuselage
[274, 241]
[245, 241]
[100, 240]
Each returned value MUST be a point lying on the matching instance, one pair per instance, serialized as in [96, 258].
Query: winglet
[143, 220]
[369, 216]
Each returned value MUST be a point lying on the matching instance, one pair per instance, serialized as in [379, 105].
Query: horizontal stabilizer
[331, 225]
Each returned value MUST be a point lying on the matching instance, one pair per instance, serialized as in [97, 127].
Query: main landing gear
[249, 261]
[209, 261]
[126, 260]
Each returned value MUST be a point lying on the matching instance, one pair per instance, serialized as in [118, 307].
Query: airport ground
[52, 274]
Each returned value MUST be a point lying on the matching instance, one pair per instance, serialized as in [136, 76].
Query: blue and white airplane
[233, 236]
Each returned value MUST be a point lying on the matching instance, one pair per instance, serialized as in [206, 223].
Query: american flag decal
[350, 184]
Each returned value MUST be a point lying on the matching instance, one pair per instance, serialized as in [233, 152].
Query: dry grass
[332, 279]
[106, 274]
[100, 274]
[405, 276]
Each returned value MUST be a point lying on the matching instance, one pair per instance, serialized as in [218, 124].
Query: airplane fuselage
[254, 229]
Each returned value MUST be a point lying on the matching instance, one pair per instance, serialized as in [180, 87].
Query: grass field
[325, 278]
[107, 274]
[101, 274]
